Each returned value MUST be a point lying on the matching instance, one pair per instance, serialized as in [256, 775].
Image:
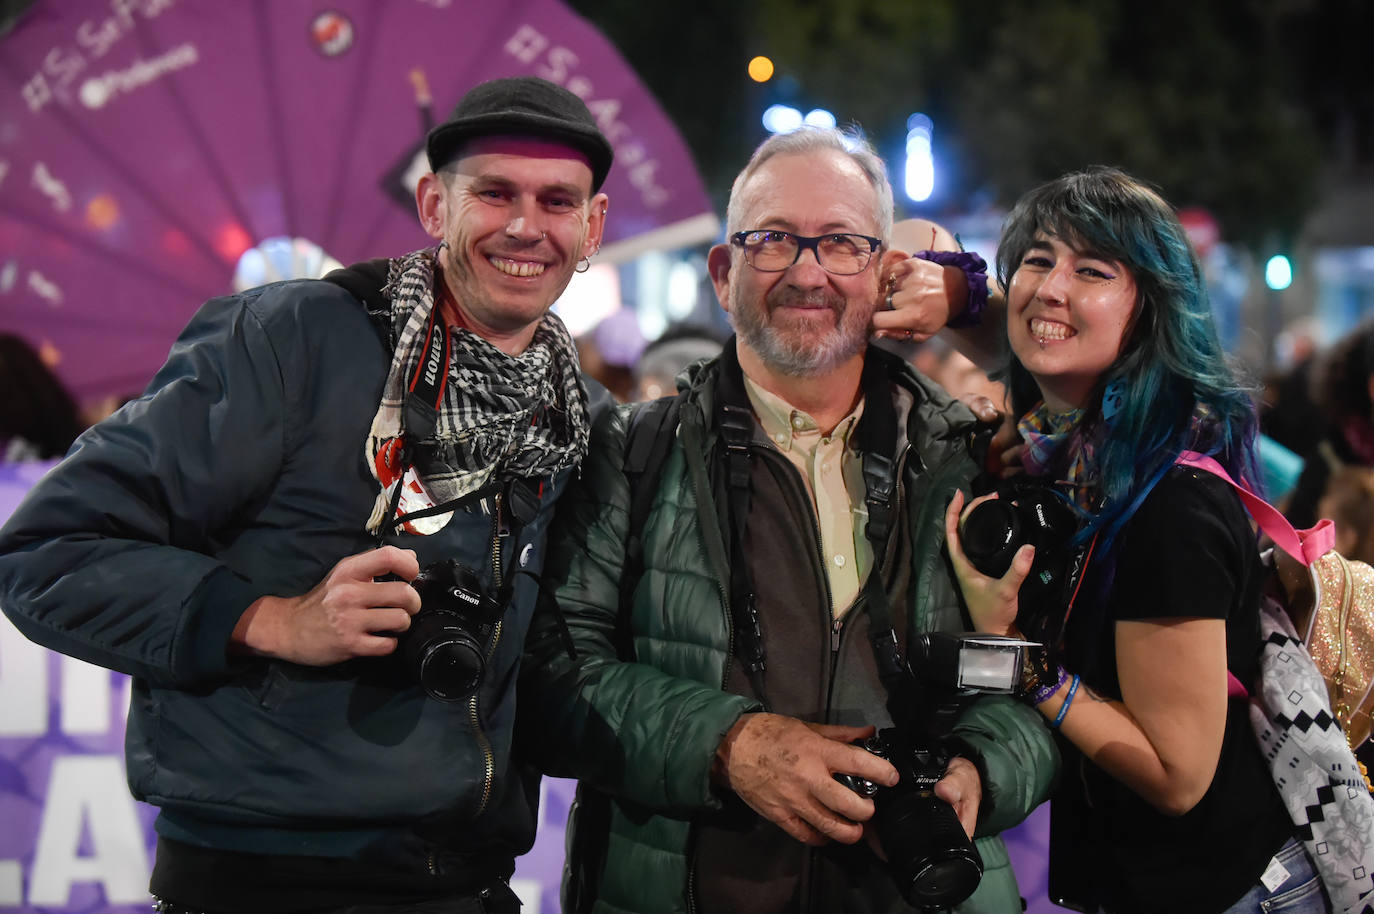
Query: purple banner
[146, 144]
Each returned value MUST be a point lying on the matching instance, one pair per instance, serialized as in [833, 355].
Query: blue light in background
[781, 119]
[919, 181]
[1278, 273]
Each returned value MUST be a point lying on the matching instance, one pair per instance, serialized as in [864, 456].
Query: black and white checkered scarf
[502, 415]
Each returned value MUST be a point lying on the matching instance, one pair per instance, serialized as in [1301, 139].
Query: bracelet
[1035, 671]
[1068, 700]
[1042, 694]
[976, 272]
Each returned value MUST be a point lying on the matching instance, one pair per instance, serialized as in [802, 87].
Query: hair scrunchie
[976, 272]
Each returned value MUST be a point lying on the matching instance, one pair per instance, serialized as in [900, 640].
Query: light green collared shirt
[833, 472]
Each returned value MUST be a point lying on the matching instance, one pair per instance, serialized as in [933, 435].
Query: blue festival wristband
[976, 272]
[1068, 700]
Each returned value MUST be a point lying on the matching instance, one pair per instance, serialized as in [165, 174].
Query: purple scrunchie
[976, 271]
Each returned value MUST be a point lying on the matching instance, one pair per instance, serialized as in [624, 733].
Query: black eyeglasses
[842, 253]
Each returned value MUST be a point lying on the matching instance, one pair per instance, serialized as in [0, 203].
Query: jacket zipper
[483, 743]
[838, 627]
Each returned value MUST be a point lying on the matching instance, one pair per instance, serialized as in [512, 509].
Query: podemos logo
[332, 33]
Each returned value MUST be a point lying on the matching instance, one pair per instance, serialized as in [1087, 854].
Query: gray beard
[802, 359]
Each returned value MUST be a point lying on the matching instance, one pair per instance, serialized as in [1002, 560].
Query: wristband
[1068, 700]
[1042, 694]
[976, 272]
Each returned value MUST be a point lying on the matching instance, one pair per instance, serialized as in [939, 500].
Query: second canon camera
[1025, 512]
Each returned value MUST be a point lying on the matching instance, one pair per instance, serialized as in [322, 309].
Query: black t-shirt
[1188, 552]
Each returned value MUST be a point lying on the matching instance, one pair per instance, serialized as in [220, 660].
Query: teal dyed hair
[1171, 359]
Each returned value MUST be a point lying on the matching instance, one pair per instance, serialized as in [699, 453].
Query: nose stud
[516, 227]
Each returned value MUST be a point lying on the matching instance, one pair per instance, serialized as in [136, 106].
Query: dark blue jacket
[240, 473]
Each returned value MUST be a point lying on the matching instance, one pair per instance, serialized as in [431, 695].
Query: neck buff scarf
[1059, 443]
[1049, 451]
[502, 416]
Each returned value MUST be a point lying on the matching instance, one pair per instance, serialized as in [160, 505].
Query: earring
[583, 265]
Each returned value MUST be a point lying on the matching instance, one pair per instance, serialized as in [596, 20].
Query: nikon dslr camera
[932, 860]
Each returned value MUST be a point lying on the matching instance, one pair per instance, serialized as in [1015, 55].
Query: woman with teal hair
[1115, 367]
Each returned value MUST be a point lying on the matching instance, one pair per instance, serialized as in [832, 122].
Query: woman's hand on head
[992, 602]
[917, 298]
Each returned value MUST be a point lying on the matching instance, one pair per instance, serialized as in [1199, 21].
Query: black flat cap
[521, 105]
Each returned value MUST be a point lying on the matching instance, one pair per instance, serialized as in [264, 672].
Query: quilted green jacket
[641, 736]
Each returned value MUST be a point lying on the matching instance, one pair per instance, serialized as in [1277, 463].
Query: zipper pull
[835, 627]
[502, 524]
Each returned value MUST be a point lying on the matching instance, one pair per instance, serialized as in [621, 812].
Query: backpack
[1329, 599]
[1317, 650]
[650, 434]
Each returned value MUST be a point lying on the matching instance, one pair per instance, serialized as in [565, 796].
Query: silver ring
[890, 306]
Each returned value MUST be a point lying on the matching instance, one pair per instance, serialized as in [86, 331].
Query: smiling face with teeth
[1068, 315]
[802, 321]
[516, 214]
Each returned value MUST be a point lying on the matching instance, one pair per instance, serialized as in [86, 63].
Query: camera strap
[877, 436]
[735, 422]
[878, 441]
[420, 415]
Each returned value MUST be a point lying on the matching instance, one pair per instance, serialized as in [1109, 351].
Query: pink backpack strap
[1304, 545]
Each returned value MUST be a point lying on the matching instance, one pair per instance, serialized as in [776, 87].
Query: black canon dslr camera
[1026, 512]
[445, 645]
[932, 860]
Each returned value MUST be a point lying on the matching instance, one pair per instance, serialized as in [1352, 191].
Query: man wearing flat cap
[323, 726]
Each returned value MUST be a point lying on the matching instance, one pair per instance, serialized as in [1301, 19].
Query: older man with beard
[792, 551]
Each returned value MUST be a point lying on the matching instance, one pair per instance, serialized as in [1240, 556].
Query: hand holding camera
[1014, 556]
[927, 845]
[350, 613]
[992, 599]
[782, 768]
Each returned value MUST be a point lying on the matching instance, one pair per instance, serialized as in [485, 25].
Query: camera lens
[933, 860]
[990, 535]
[451, 669]
[444, 644]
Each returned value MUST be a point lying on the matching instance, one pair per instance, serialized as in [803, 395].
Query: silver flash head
[971, 661]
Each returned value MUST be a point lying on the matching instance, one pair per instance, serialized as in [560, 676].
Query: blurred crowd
[1320, 407]
[39, 417]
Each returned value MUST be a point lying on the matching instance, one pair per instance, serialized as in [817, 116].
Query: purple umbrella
[145, 145]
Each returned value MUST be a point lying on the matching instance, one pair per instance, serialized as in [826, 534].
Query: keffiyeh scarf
[501, 416]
